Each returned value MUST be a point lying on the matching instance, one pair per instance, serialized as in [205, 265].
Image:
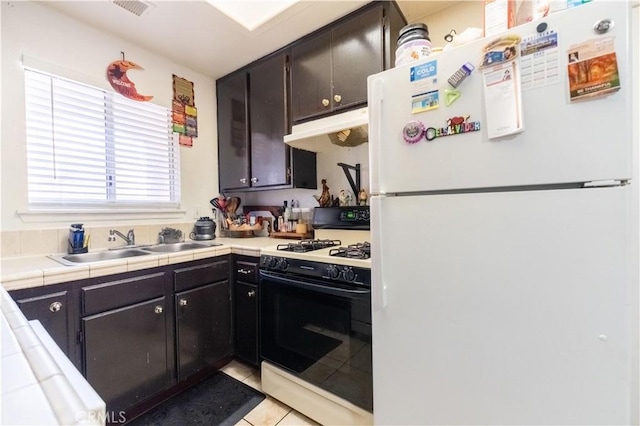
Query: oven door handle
[353, 293]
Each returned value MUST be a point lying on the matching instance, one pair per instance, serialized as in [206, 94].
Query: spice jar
[413, 43]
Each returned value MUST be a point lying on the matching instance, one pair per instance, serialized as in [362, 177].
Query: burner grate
[308, 245]
[354, 251]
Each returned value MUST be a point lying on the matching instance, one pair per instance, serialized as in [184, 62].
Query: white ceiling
[197, 35]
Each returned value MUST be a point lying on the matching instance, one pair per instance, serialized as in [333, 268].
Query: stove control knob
[332, 272]
[283, 264]
[348, 274]
[272, 262]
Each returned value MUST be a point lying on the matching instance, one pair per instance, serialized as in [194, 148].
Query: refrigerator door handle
[375, 134]
[378, 289]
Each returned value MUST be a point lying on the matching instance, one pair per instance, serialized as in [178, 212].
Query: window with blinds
[93, 148]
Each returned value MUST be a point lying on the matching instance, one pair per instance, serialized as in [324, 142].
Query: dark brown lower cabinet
[125, 353]
[55, 309]
[203, 327]
[138, 336]
[246, 327]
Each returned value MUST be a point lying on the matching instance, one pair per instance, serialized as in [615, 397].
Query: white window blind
[89, 147]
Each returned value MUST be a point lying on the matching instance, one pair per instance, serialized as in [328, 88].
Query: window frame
[110, 203]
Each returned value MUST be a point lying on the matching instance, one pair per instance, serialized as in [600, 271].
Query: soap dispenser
[76, 239]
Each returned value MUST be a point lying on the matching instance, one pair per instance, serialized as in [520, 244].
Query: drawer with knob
[110, 293]
[246, 269]
[195, 275]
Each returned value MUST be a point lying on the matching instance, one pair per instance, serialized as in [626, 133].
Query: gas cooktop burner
[308, 245]
[354, 251]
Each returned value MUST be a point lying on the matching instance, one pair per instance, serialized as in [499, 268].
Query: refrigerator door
[562, 141]
[502, 308]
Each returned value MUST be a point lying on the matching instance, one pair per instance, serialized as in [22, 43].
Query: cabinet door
[357, 52]
[268, 118]
[203, 327]
[233, 141]
[246, 322]
[125, 353]
[53, 312]
[311, 77]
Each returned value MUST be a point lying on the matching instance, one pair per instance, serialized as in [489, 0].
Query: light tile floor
[269, 412]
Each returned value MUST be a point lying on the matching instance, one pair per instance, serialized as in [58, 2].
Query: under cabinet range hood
[346, 130]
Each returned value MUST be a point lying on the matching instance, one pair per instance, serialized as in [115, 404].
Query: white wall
[327, 169]
[42, 33]
[459, 17]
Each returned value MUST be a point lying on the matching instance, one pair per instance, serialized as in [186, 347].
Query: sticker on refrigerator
[592, 69]
[413, 131]
[424, 87]
[539, 63]
[455, 126]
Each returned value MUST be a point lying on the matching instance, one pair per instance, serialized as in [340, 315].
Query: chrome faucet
[130, 238]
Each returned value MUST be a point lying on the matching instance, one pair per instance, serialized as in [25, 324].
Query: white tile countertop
[40, 388]
[34, 271]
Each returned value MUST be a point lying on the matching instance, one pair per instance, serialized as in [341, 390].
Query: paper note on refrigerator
[593, 69]
[502, 99]
[539, 60]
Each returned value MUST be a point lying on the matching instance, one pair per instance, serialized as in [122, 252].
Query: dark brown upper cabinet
[329, 68]
[253, 118]
[268, 118]
[233, 141]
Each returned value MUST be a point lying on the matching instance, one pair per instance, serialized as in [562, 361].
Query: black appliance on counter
[347, 217]
[203, 229]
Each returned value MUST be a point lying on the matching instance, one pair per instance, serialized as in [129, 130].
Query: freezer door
[562, 141]
[502, 308]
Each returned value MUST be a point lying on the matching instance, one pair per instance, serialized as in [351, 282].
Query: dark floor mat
[218, 400]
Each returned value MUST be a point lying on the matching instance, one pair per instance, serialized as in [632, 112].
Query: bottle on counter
[287, 217]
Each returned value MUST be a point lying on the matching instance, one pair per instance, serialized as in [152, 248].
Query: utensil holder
[77, 250]
[221, 221]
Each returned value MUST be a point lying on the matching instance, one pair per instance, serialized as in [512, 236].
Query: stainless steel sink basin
[75, 259]
[175, 247]
[123, 253]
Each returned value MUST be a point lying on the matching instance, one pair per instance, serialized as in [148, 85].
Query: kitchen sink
[123, 253]
[175, 247]
[75, 259]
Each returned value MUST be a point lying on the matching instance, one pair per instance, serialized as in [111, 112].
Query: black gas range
[355, 251]
[332, 274]
[315, 308]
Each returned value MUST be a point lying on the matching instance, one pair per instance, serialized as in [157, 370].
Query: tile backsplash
[54, 240]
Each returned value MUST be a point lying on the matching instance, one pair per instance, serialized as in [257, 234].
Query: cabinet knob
[254, 180]
[55, 307]
[158, 309]
[183, 302]
[251, 293]
[244, 271]
[243, 180]
[325, 102]
[337, 98]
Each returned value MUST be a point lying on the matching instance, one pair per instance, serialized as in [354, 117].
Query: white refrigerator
[505, 269]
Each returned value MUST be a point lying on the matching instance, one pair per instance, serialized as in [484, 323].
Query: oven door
[320, 332]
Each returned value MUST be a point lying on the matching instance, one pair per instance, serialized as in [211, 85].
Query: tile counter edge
[22, 272]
